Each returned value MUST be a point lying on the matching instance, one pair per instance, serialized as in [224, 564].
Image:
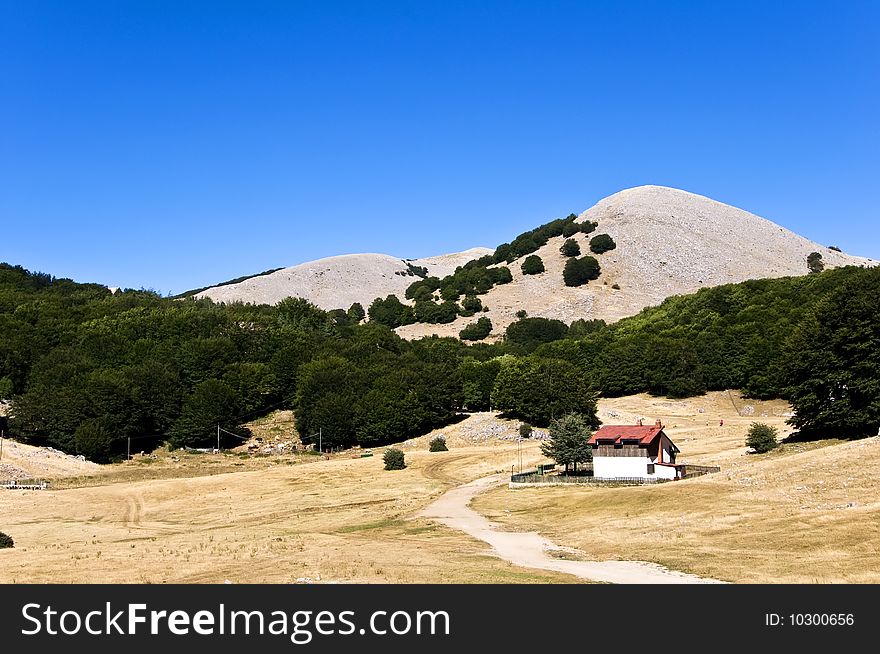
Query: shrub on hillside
[815, 263]
[579, 271]
[602, 243]
[394, 459]
[570, 229]
[476, 331]
[532, 265]
[761, 437]
[570, 248]
[525, 430]
[588, 227]
[5, 541]
[470, 305]
[522, 313]
[437, 444]
[835, 248]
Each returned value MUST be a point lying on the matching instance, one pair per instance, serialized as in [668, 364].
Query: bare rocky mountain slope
[669, 242]
[338, 282]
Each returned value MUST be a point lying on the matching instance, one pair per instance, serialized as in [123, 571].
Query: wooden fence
[689, 471]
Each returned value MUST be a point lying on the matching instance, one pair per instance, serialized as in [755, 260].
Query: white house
[634, 452]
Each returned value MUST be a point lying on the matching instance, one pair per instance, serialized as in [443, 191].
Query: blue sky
[170, 145]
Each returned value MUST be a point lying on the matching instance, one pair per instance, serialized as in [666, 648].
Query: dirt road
[531, 550]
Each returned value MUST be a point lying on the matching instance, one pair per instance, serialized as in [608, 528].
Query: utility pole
[128, 451]
[218, 437]
[320, 447]
[2, 433]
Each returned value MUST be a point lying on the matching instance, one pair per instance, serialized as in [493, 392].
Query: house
[634, 452]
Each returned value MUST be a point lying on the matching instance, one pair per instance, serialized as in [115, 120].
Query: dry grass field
[804, 513]
[275, 520]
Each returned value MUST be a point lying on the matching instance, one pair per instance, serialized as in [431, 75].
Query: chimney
[658, 424]
[640, 422]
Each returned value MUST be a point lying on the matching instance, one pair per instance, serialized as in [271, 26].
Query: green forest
[86, 369]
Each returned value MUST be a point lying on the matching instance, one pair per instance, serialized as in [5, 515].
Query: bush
[476, 331]
[5, 541]
[602, 243]
[761, 437]
[470, 305]
[615, 286]
[835, 248]
[394, 459]
[579, 271]
[589, 227]
[570, 248]
[532, 265]
[525, 430]
[522, 313]
[815, 263]
[437, 444]
[570, 229]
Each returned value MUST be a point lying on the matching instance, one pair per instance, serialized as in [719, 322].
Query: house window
[650, 468]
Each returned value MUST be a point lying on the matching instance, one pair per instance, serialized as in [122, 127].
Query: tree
[94, 439]
[477, 380]
[532, 332]
[437, 444]
[761, 437]
[525, 430]
[579, 271]
[6, 541]
[394, 459]
[570, 248]
[831, 368]
[356, 313]
[539, 390]
[476, 331]
[815, 263]
[532, 265]
[390, 312]
[602, 243]
[211, 403]
[568, 444]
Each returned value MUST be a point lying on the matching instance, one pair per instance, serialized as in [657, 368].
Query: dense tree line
[86, 369]
[752, 336]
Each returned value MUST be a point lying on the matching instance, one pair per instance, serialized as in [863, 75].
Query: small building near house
[634, 452]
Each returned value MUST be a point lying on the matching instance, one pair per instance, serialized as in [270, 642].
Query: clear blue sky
[168, 144]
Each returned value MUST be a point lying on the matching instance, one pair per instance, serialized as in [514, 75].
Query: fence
[25, 484]
[534, 479]
[688, 471]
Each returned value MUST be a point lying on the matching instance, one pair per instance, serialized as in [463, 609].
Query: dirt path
[531, 550]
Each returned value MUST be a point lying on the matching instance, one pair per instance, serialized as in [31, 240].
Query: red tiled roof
[618, 433]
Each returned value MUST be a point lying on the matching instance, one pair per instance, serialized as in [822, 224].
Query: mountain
[668, 242]
[338, 282]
